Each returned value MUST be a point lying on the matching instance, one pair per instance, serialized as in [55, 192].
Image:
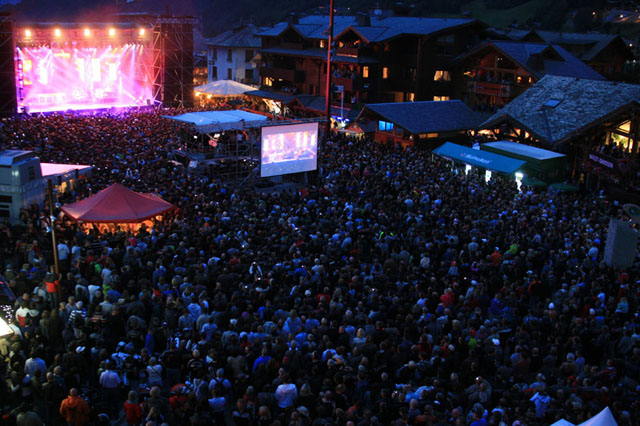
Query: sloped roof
[320, 54]
[381, 28]
[582, 104]
[568, 66]
[556, 60]
[245, 36]
[117, 204]
[596, 42]
[426, 117]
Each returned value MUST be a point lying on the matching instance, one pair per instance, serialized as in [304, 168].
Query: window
[441, 98]
[410, 97]
[214, 73]
[552, 103]
[268, 81]
[229, 74]
[385, 72]
[446, 39]
[214, 54]
[365, 72]
[229, 55]
[385, 126]
[248, 73]
[441, 75]
[323, 44]
[248, 55]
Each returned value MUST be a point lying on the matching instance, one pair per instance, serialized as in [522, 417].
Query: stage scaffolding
[8, 101]
[173, 61]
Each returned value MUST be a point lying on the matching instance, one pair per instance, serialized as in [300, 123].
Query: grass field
[501, 18]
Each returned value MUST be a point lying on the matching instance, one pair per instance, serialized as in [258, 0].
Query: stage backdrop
[57, 79]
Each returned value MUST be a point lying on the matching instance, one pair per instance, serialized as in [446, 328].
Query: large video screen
[292, 148]
[58, 79]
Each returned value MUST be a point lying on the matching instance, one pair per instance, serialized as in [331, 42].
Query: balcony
[490, 88]
[348, 51]
[278, 73]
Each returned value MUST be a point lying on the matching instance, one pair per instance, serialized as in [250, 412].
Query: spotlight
[141, 32]
[112, 32]
[27, 33]
[57, 32]
[87, 32]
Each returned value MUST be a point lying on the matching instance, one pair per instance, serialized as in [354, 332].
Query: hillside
[220, 15]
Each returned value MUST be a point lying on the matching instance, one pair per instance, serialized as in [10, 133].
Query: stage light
[141, 32]
[27, 33]
[57, 32]
[87, 32]
[112, 32]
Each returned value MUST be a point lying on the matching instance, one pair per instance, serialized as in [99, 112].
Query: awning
[216, 121]
[475, 157]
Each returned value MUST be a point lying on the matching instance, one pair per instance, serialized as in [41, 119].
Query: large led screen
[288, 149]
[57, 78]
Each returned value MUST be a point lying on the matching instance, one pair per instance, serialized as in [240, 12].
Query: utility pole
[327, 105]
[56, 262]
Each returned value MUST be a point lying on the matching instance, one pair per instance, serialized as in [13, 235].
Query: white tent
[603, 418]
[224, 88]
[217, 121]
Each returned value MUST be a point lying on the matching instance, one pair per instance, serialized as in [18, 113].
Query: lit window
[365, 72]
[441, 98]
[385, 72]
[385, 126]
[323, 44]
[441, 75]
[410, 97]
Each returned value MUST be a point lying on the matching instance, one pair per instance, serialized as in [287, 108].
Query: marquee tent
[217, 121]
[603, 418]
[224, 88]
[117, 204]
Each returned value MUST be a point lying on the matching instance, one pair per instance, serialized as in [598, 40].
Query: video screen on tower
[292, 148]
[61, 78]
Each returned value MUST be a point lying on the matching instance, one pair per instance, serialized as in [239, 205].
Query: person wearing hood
[74, 409]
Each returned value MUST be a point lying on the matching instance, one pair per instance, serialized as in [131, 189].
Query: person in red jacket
[74, 409]
[52, 282]
[133, 409]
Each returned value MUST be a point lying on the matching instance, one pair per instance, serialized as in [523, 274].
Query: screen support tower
[8, 99]
[173, 61]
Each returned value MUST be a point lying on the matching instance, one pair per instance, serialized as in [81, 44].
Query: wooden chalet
[377, 59]
[596, 123]
[495, 72]
[419, 123]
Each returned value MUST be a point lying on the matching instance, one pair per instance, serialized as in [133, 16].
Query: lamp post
[327, 105]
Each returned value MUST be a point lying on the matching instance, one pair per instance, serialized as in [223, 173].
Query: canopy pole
[56, 261]
[327, 105]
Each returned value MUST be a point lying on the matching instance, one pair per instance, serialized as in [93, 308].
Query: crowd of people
[394, 291]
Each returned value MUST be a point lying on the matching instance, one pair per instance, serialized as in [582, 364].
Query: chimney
[363, 20]
[292, 18]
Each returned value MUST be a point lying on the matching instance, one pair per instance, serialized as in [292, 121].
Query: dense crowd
[396, 291]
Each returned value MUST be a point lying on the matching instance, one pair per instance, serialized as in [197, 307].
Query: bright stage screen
[58, 79]
[288, 149]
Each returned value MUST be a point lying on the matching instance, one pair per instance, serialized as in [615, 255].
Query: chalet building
[230, 55]
[376, 59]
[596, 123]
[494, 72]
[425, 123]
[605, 53]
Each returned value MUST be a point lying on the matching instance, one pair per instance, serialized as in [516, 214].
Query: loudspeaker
[622, 243]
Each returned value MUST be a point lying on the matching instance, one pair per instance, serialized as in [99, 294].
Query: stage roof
[216, 121]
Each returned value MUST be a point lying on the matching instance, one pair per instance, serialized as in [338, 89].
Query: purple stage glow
[58, 79]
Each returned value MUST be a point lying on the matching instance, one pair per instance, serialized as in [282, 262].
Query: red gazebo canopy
[117, 204]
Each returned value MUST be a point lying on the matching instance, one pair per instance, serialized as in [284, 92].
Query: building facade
[375, 59]
[230, 55]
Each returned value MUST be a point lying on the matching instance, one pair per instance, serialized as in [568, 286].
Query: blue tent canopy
[474, 157]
